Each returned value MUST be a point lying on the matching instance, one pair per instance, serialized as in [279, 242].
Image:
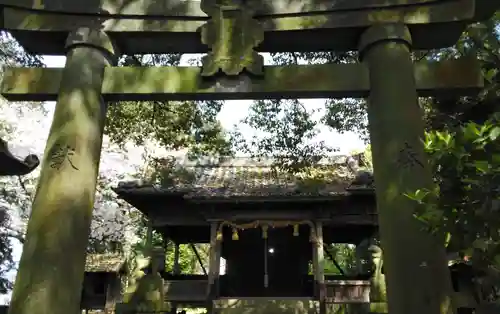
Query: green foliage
[287, 130]
[344, 255]
[173, 125]
[188, 261]
[167, 172]
[463, 145]
[341, 115]
[465, 201]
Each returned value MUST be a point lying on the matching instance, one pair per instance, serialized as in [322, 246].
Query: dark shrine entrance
[276, 266]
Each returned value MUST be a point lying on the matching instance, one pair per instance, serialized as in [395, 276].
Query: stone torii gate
[94, 33]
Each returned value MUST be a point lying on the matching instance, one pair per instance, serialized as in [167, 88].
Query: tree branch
[23, 186]
[12, 233]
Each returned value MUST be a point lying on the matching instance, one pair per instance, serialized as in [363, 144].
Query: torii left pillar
[51, 268]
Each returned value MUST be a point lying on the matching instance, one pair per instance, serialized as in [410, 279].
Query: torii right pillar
[415, 264]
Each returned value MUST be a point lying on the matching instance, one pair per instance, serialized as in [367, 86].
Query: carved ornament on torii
[231, 35]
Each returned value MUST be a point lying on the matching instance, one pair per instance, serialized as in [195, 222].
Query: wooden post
[314, 256]
[319, 266]
[176, 270]
[214, 267]
[111, 294]
[149, 239]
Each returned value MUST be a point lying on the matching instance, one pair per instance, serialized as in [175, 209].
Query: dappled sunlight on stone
[305, 81]
[57, 233]
[392, 193]
[344, 19]
[396, 128]
[240, 84]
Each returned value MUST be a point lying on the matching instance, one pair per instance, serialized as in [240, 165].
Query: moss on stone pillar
[378, 291]
[146, 292]
[414, 261]
[51, 268]
[369, 260]
[147, 296]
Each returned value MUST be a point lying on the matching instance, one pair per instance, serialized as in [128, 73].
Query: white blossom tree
[25, 127]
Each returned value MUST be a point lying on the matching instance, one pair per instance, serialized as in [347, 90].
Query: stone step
[266, 305]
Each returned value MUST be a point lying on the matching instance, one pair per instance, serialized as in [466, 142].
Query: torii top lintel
[172, 26]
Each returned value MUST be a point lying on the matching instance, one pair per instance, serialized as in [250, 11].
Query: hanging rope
[266, 273]
[265, 224]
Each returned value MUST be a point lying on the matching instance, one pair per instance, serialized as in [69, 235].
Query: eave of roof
[153, 191]
[104, 263]
[13, 166]
[248, 178]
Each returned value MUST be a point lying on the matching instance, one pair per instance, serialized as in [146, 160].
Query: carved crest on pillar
[232, 35]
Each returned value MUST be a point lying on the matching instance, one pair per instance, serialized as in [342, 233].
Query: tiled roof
[250, 177]
[111, 263]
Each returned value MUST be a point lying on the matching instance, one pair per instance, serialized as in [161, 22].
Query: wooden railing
[194, 288]
[186, 290]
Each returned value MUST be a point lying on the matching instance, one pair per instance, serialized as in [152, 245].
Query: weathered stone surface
[418, 280]
[342, 24]
[146, 295]
[270, 306]
[231, 34]
[306, 81]
[266, 306]
[191, 8]
[52, 264]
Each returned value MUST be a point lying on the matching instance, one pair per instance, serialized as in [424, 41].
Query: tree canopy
[173, 125]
